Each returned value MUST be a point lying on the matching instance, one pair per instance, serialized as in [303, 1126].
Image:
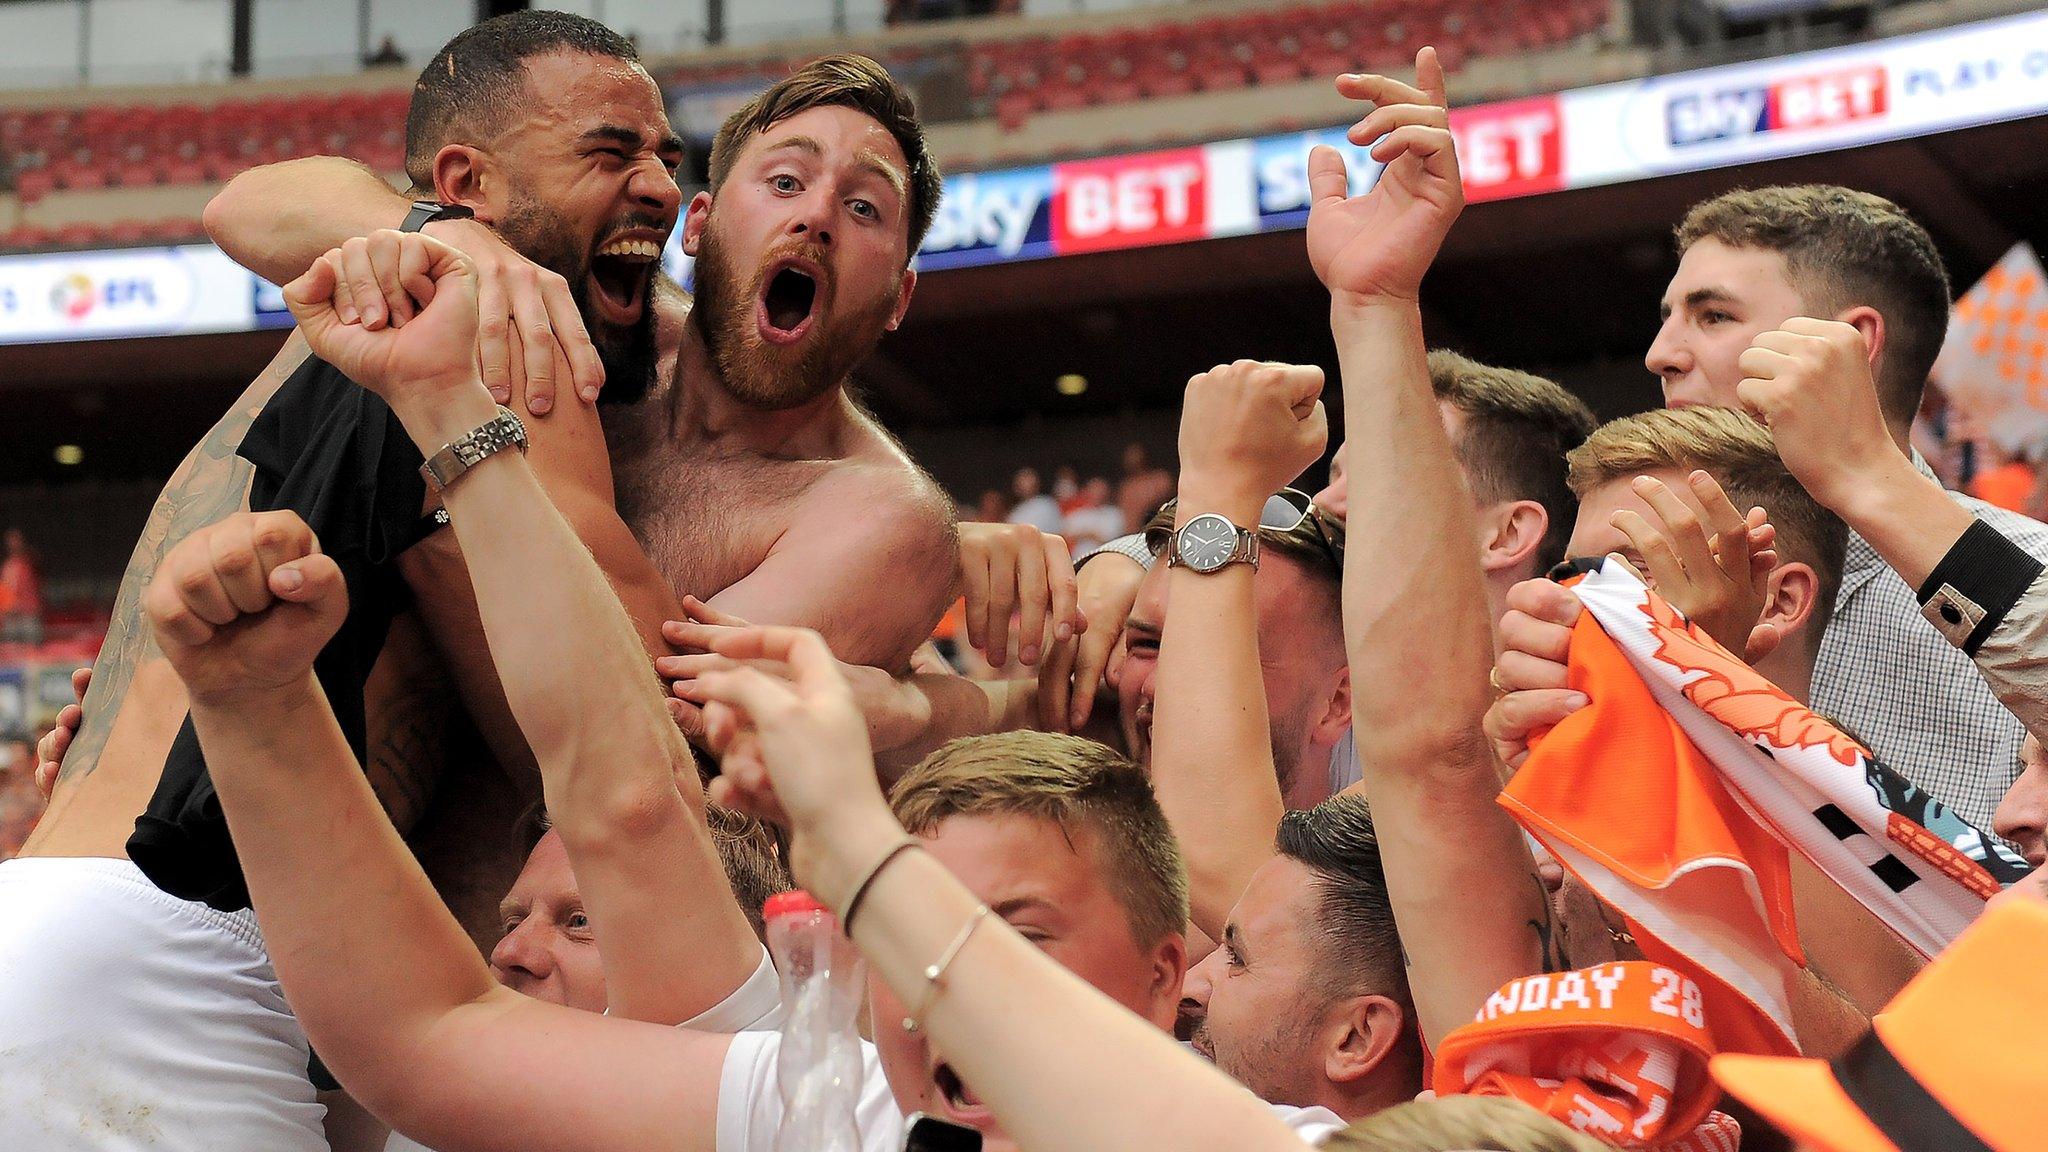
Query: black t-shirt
[335, 453]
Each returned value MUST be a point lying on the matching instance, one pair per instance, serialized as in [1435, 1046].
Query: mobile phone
[929, 1135]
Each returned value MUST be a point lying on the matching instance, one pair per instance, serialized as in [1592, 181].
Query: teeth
[644, 248]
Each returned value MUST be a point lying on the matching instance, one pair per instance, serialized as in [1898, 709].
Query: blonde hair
[1071, 782]
[1738, 452]
[1481, 1123]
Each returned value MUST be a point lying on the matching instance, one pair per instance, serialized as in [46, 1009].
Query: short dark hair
[1361, 947]
[1517, 430]
[1842, 249]
[845, 80]
[478, 79]
[1071, 782]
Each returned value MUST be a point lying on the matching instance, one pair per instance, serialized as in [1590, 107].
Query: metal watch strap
[425, 212]
[474, 447]
[1246, 551]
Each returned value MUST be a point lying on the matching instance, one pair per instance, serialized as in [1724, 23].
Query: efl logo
[1819, 101]
[73, 296]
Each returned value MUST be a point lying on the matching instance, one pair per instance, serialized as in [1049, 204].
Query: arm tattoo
[211, 484]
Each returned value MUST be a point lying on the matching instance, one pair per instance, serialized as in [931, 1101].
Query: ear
[903, 297]
[1870, 322]
[1360, 1032]
[1790, 598]
[1336, 716]
[696, 217]
[465, 175]
[1512, 532]
[1169, 973]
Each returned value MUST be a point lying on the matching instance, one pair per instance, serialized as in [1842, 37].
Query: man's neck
[1790, 667]
[703, 410]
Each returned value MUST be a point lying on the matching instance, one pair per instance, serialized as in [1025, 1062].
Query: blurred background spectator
[21, 592]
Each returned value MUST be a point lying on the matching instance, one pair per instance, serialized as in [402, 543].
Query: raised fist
[431, 353]
[1810, 382]
[1378, 245]
[1252, 426]
[243, 606]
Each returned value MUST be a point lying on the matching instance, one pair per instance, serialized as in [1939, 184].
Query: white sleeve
[755, 1006]
[1313, 1125]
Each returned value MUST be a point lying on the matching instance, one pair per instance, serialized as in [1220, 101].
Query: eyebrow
[1017, 904]
[1699, 296]
[508, 906]
[628, 138]
[867, 160]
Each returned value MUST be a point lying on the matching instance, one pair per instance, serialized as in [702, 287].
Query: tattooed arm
[210, 483]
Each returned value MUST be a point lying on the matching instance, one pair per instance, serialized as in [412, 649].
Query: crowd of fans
[1532, 785]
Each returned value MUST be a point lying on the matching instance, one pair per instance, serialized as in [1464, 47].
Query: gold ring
[1493, 678]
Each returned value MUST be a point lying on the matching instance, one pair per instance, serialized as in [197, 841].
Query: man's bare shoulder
[899, 498]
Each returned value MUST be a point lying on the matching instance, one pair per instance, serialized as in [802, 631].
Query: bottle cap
[791, 903]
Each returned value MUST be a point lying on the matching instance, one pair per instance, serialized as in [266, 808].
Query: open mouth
[620, 271]
[960, 1100]
[788, 303]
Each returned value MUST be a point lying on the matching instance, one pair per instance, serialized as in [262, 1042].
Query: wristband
[425, 212]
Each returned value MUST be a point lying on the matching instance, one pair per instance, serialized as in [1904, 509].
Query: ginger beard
[626, 278]
[780, 338]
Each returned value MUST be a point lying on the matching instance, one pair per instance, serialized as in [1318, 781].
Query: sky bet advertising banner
[1839, 98]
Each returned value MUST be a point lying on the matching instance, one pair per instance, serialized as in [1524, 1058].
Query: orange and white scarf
[1616, 1051]
[1675, 793]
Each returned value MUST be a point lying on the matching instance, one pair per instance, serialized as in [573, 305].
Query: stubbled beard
[776, 377]
[628, 354]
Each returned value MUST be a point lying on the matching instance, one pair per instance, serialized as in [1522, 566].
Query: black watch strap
[425, 212]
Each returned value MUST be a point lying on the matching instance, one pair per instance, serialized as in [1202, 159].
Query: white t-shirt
[754, 1006]
[750, 1102]
[1041, 512]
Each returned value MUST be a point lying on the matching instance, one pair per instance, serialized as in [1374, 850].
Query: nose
[653, 189]
[1668, 357]
[522, 956]
[813, 219]
[1200, 981]
[2022, 816]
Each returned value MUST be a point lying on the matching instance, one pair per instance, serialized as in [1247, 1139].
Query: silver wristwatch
[473, 447]
[1208, 542]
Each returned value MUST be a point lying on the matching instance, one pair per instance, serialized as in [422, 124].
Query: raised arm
[277, 219]
[1064, 1068]
[1246, 429]
[1461, 882]
[240, 610]
[620, 783]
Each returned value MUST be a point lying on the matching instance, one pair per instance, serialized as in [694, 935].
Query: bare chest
[707, 521]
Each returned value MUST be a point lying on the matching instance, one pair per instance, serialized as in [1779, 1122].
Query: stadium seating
[1010, 79]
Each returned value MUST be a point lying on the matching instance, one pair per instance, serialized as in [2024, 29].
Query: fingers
[704, 613]
[173, 619]
[81, 683]
[811, 663]
[1327, 180]
[1032, 595]
[585, 368]
[359, 277]
[1517, 716]
[494, 338]
[536, 338]
[1065, 586]
[1055, 684]
[315, 581]
[313, 290]
[1379, 89]
[415, 277]
[1520, 632]
[999, 600]
[1091, 663]
[748, 691]
[1429, 76]
[1429, 144]
[1518, 671]
[1387, 117]
[1666, 570]
[279, 538]
[1546, 601]
[1113, 671]
[689, 720]
[237, 573]
[1682, 531]
[1763, 640]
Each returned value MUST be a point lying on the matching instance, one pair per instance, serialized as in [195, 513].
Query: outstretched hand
[1379, 244]
[793, 750]
[243, 606]
[431, 353]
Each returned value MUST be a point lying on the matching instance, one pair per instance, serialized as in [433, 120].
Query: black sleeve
[1983, 570]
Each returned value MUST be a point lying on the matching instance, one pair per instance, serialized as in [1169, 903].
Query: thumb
[314, 581]
[1327, 181]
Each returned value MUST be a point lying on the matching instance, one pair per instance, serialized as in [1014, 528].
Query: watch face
[1206, 542]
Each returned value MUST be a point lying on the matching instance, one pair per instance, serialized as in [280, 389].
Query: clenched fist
[1810, 382]
[1250, 427]
[433, 353]
[243, 606]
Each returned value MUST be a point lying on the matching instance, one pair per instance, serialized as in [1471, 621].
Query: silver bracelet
[935, 974]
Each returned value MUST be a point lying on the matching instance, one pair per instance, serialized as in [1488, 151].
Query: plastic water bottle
[819, 1064]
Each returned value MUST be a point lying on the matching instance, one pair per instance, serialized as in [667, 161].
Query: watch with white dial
[1208, 543]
